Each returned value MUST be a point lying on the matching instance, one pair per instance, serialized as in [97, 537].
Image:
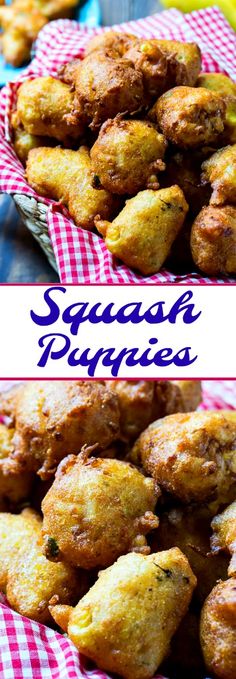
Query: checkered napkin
[29, 650]
[81, 256]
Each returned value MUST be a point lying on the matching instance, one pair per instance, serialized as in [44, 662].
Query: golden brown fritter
[15, 532]
[224, 537]
[142, 234]
[151, 61]
[104, 87]
[184, 169]
[65, 175]
[26, 576]
[220, 171]
[189, 529]
[96, 510]
[126, 620]
[23, 142]
[184, 61]
[143, 401]
[43, 105]
[191, 117]
[54, 419]
[14, 488]
[192, 456]
[213, 240]
[119, 42]
[21, 23]
[226, 88]
[127, 156]
[218, 630]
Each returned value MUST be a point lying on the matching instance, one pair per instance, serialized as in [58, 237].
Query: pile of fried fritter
[21, 22]
[127, 478]
[147, 153]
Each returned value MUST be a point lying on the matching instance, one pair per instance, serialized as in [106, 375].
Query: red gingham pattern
[29, 650]
[82, 257]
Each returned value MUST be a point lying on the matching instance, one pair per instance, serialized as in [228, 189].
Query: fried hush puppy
[143, 401]
[119, 42]
[226, 88]
[142, 234]
[127, 156]
[21, 23]
[151, 61]
[54, 419]
[190, 530]
[224, 535]
[126, 620]
[213, 240]
[65, 175]
[43, 105]
[218, 630]
[190, 117]
[192, 456]
[104, 86]
[16, 531]
[220, 171]
[14, 488]
[23, 141]
[184, 61]
[31, 580]
[96, 510]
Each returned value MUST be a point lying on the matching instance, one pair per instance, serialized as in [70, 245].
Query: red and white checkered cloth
[29, 650]
[81, 256]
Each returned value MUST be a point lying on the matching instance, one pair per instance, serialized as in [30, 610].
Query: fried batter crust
[126, 621]
[53, 419]
[224, 535]
[220, 171]
[190, 116]
[142, 234]
[65, 175]
[218, 630]
[192, 456]
[119, 42]
[96, 510]
[127, 156]
[213, 240]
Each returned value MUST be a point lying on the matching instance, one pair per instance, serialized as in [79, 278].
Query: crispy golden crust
[151, 61]
[21, 23]
[218, 630]
[126, 621]
[142, 234]
[184, 61]
[119, 42]
[213, 240]
[220, 171]
[191, 117]
[226, 88]
[53, 419]
[96, 510]
[43, 107]
[190, 530]
[224, 535]
[29, 579]
[65, 175]
[14, 488]
[143, 401]
[190, 455]
[15, 532]
[127, 156]
[23, 141]
[104, 86]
